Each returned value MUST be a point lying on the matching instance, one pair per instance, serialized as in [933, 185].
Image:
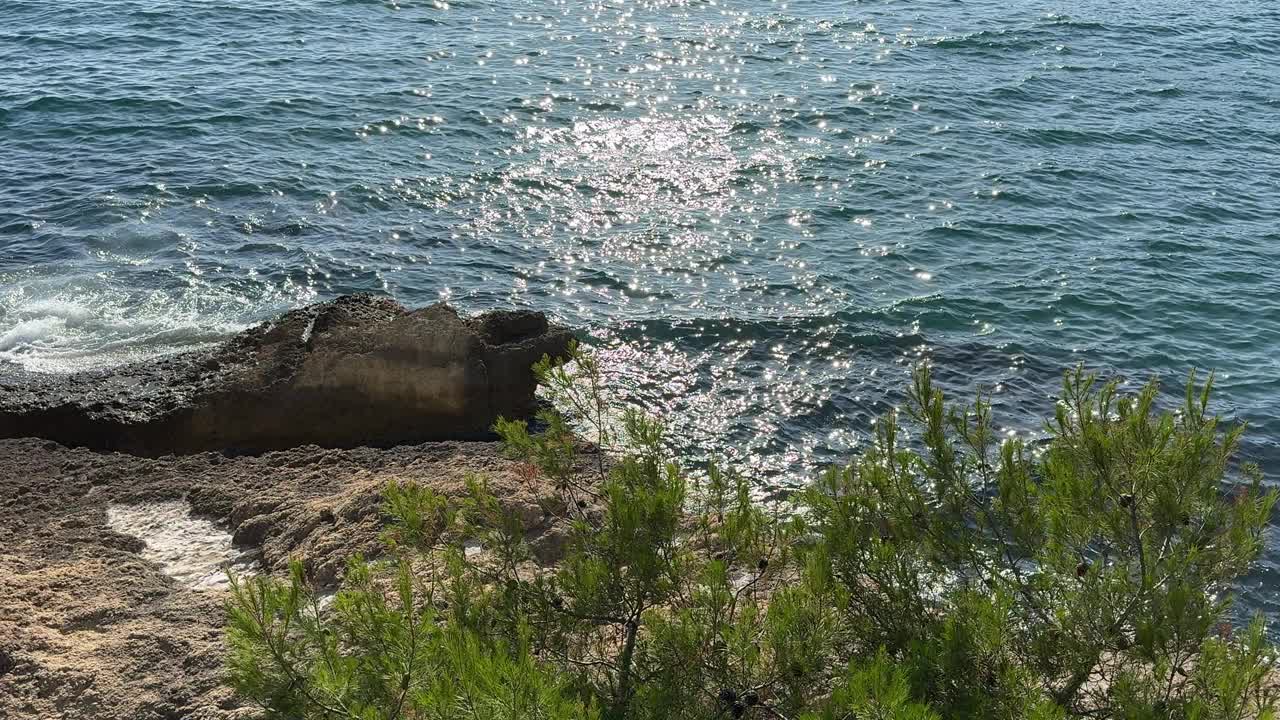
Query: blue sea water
[762, 212]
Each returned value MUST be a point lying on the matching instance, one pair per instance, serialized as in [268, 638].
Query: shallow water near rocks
[192, 550]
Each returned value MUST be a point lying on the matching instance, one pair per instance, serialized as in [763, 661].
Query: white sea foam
[69, 330]
[32, 334]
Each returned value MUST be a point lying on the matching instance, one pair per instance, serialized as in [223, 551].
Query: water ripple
[764, 212]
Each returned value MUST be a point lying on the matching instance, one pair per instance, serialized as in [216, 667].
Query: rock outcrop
[90, 628]
[359, 370]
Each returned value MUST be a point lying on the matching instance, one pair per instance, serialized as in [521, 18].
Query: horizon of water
[761, 213]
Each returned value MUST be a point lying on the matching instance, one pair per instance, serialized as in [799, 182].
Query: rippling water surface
[763, 211]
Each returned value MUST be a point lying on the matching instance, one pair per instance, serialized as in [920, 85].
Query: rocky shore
[359, 370]
[277, 443]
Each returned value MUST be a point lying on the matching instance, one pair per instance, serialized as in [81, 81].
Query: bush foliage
[952, 573]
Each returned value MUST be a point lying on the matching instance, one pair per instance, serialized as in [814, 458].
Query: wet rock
[357, 371]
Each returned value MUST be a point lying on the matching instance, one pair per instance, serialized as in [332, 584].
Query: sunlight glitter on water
[695, 184]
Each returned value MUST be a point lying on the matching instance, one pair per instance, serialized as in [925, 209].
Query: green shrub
[957, 573]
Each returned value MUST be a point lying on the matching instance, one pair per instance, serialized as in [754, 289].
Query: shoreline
[95, 621]
[112, 599]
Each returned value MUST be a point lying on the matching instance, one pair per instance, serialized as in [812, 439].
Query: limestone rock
[358, 370]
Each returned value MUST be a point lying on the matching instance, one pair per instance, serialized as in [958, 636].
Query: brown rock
[90, 628]
[359, 370]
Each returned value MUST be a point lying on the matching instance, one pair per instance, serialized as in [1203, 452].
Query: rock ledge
[360, 370]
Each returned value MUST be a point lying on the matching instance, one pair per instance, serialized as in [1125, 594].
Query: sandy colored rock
[89, 629]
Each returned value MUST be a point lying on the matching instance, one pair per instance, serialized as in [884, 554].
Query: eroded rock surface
[195, 551]
[96, 624]
[111, 606]
[359, 370]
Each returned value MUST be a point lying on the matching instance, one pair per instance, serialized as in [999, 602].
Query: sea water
[762, 213]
